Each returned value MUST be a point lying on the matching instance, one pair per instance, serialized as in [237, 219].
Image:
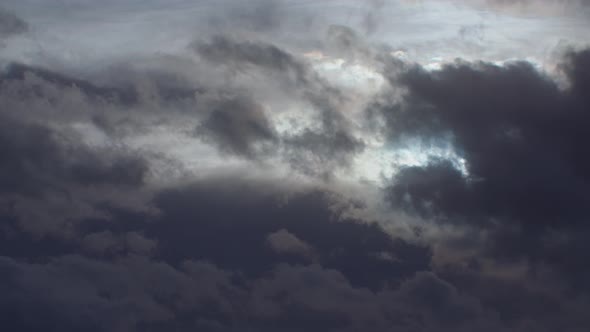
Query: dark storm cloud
[514, 302]
[577, 67]
[47, 187]
[523, 140]
[131, 294]
[109, 243]
[228, 222]
[34, 159]
[49, 179]
[11, 24]
[34, 152]
[247, 283]
[330, 303]
[521, 136]
[135, 294]
[439, 301]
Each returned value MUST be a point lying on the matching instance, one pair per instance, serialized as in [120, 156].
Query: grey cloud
[371, 20]
[96, 237]
[49, 178]
[237, 125]
[223, 50]
[108, 243]
[139, 244]
[441, 300]
[315, 152]
[74, 292]
[510, 125]
[278, 63]
[259, 15]
[36, 157]
[284, 242]
[125, 88]
[135, 293]
[231, 119]
[310, 150]
[11, 24]
[536, 7]
[473, 33]
[346, 42]
[522, 139]
[101, 242]
[516, 300]
[244, 213]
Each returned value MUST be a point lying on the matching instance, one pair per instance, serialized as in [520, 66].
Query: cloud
[134, 293]
[261, 15]
[108, 243]
[80, 293]
[534, 7]
[520, 135]
[284, 242]
[237, 124]
[244, 213]
[332, 144]
[223, 50]
[11, 24]
[371, 20]
[49, 177]
[311, 151]
[294, 166]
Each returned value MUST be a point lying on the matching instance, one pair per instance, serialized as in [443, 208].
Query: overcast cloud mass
[294, 165]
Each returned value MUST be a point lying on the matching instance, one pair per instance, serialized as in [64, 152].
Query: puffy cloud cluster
[522, 138]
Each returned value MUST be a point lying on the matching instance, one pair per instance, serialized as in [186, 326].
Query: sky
[295, 165]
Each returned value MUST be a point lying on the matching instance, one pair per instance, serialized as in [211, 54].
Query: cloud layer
[294, 166]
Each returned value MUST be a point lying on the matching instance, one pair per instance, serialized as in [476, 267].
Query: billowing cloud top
[287, 165]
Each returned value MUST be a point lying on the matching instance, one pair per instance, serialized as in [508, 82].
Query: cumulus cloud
[517, 131]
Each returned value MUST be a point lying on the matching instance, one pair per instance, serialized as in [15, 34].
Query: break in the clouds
[294, 166]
